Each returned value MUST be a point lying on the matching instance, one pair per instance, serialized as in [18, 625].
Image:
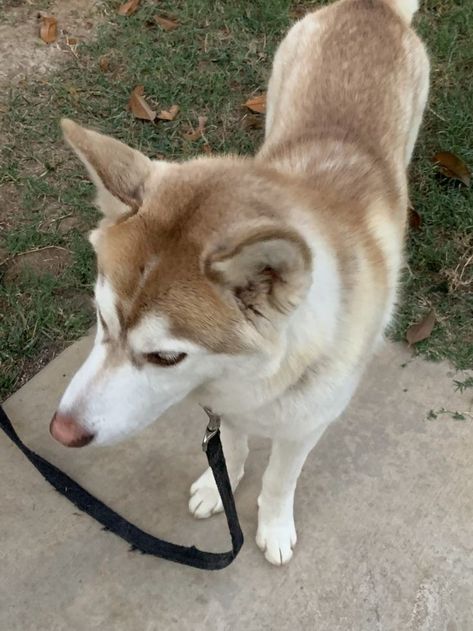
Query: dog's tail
[405, 8]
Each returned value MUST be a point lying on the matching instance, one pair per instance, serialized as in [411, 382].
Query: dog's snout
[66, 430]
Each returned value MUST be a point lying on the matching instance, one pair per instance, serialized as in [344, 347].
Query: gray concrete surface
[384, 511]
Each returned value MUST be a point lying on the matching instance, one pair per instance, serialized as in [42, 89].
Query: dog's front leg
[205, 499]
[276, 535]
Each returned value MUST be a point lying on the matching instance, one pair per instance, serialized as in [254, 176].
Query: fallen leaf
[104, 63]
[170, 114]
[421, 330]
[252, 121]
[71, 41]
[415, 220]
[207, 148]
[48, 28]
[224, 33]
[257, 103]
[128, 7]
[452, 167]
[138, 106]
[166, 23]
[194, 134]
[299, 11]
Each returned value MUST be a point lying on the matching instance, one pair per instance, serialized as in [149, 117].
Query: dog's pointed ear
[269, 267]
[119, 172]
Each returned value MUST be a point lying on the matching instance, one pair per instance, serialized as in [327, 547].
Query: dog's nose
[66, 430]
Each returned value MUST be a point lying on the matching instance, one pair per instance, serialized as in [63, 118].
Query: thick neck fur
[307, 339]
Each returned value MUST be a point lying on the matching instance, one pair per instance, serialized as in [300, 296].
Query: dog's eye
[165, 359]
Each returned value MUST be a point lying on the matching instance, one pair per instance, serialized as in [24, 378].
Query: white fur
[106, 303]
[405, 8]
[389, 237]
[152, 335]
[113, 398]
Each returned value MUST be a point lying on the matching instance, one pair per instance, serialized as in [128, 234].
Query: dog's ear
[119, 172]
[269, 267]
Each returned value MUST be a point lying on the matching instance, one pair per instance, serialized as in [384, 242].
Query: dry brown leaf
[224, 33]
[170, 114]
[194, 134]
[299, 11]
[104, 63]
[128, 7]
[452, 167]
[415, 220]
[252, 121]
[257, 103]
[166, 23]
[421, 330]
[207, 149]
[48, 28]
[138, 106]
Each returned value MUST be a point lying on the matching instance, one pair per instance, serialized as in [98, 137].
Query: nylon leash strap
[137, 538]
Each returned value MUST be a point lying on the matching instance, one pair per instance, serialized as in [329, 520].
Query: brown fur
[178, 235]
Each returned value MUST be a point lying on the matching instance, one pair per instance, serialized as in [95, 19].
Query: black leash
[137, 538]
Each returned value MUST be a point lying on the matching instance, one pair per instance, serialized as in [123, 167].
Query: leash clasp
[213, 427]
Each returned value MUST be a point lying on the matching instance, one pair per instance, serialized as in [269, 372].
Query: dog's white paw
[276, 538]
[205, 499]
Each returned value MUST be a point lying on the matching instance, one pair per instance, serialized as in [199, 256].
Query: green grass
[461, 386]
[217, 58]
[437, 253]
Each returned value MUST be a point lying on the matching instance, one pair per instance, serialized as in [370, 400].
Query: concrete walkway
[384, 511]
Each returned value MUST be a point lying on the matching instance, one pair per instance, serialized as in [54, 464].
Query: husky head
[199, 270]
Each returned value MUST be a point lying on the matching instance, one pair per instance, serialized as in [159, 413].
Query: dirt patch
[44, 303]
[9, 207]
[3, 257]
[78, 301]
[69, 223]
[30, 367]
[23, 53]
[51, 260]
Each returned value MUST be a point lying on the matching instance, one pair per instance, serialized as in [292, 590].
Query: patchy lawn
[440, 255]
[218, 56]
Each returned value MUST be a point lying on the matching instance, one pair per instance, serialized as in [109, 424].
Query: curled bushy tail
[405, 8]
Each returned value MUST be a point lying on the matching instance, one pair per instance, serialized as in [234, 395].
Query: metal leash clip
[212, 427]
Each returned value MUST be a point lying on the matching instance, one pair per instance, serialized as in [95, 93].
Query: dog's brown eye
[165, 359]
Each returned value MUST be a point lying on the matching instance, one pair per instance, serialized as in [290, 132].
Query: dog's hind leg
[205, 499]
[276, 535]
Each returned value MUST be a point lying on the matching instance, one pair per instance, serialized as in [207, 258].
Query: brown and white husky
[258, 286]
